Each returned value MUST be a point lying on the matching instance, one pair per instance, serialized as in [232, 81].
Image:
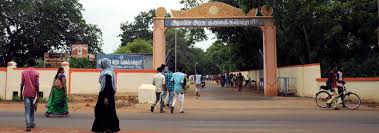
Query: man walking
[29, 89]
[169, 86]
[179, 82]
[239, 82]
[164, 93]
[160, 86]
[198, 79]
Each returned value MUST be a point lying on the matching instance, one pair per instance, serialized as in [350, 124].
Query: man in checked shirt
[169, 86]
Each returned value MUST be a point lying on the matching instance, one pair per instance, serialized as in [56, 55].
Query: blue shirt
[178, 79]
[169, 84]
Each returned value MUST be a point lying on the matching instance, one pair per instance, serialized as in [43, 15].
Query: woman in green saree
[57, 102]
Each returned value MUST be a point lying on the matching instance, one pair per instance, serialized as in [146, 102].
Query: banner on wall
[79, 50]
[122, 61]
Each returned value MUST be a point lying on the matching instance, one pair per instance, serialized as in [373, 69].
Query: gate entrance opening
[217, 14]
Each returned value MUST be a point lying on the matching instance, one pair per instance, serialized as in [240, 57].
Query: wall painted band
[352, 79]
[44, 69]
[115, 70]
[3, 69]
[303, 65]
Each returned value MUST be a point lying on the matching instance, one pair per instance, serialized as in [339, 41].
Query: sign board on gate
[79, 50]
[122, 61]
[212, 22]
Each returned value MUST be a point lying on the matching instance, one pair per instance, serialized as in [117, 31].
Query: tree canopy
[313, 31]
[31, 28]
[136, 46]
[140, 28]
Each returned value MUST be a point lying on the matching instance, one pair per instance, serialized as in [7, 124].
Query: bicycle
[247, 83]
[350, 100]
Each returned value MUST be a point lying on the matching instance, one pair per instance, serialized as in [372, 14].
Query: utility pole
[195, 69]
[377, 30]
[175, 51]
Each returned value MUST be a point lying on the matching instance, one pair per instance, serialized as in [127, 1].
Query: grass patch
[129, 99]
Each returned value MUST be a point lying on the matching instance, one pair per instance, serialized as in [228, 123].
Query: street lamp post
[195, 69]
[175, 52]
[168, 56]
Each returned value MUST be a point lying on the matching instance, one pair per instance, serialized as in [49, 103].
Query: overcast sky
[108, 14]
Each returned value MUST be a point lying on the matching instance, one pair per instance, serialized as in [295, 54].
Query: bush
[136, 46]
[16, 98]
[81, 63]
[367, 67]
[40, 63]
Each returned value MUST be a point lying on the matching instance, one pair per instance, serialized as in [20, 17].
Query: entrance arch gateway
[217, 14]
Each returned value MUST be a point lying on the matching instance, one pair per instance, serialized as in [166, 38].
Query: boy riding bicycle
[335, 83]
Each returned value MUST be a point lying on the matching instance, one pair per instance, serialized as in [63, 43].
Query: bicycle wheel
[321, 98]
[351, 101]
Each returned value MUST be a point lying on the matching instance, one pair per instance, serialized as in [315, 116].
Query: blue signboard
[212, 22]
[122, 61]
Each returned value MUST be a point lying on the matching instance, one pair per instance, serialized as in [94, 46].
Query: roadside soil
[51, 130]
[78, 103]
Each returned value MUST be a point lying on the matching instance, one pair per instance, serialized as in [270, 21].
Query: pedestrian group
[169, 84]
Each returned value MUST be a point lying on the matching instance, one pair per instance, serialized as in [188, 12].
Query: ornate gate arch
[217, 14]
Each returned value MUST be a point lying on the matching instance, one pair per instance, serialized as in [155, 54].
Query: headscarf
[105, 64]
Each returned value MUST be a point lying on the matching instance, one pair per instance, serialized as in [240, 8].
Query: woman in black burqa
[106, 119]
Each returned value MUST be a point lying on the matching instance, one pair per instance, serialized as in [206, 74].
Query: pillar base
[271, 91]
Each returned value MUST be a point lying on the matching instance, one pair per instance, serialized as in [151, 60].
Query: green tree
[31, 28]
[190, 3]
[93, 37]
[326, 31]
[246, 5]
[139, 28]
[330, 32]
[244, 43]
[184, 56]
[219, 55]
[136, 46]
[193, 35]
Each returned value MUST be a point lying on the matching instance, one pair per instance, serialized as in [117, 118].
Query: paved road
[222, 110]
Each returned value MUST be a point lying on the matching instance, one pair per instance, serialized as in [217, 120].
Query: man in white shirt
[198, 83]
[159, 82]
